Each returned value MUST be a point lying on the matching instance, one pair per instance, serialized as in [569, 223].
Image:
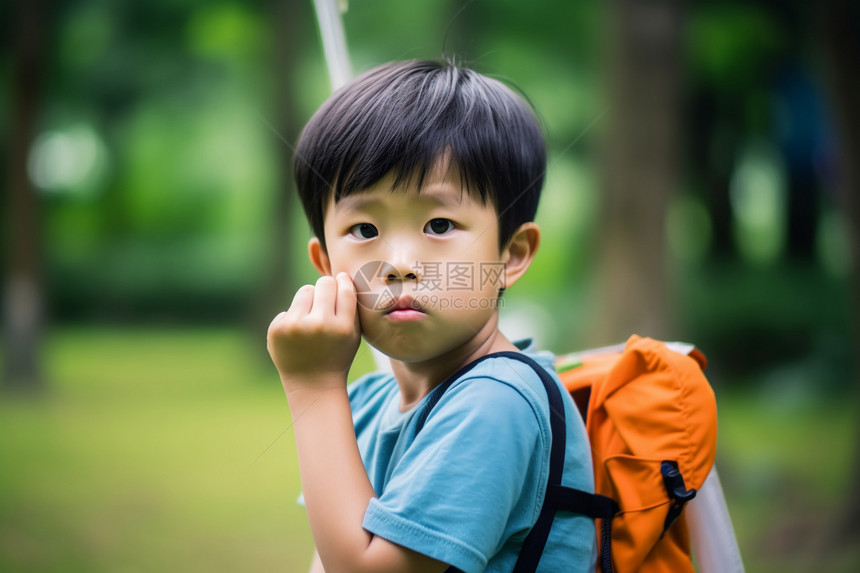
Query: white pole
[712, 537]
[334, 41]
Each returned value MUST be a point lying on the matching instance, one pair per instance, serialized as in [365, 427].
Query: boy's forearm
[335, 485]
[312, 345]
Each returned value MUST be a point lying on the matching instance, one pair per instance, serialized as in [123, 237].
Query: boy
[421, 181]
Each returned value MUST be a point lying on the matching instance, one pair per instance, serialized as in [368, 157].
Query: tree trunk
[23, 312]
[838, 22]
[640, 168]
[293, 30]
[714, 128]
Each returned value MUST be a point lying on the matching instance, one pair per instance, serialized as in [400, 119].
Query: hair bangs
[409, 119]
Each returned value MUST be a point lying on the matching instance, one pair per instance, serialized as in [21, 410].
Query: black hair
[402, 118]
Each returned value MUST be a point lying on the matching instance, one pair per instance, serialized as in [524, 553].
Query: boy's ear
[318, 256]
[520, 251]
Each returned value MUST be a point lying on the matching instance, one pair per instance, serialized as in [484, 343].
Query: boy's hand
[314, 342]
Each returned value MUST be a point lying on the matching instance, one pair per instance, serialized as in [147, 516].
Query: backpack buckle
[679, 495]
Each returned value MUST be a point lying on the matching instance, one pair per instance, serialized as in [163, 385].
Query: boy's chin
[415, 349]
[407, 349]
[403, 353]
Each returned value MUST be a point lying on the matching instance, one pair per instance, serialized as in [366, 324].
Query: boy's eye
[363, 231]
[439, 226]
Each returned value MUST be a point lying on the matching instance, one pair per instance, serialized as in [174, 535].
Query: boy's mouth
[406, 309]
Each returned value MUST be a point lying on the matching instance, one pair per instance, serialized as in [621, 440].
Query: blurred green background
[702, 186]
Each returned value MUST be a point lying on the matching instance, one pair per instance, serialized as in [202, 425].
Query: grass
[160, 450]
[786, 468]
[152, 451]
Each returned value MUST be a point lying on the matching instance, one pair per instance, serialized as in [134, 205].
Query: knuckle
[278, 332]
[325, 281]
[343, 329]
[312, 324]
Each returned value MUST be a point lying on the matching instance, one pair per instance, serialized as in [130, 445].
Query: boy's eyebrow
[445, 194]
[356, 202]
[430, 194]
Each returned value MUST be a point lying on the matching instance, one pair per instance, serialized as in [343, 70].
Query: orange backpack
[651, 418]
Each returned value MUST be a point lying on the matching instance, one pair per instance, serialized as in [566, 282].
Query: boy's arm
[312, 346]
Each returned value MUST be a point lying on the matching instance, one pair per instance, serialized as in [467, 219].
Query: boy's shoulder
[514, 373]
[501, 390]
[505, 372]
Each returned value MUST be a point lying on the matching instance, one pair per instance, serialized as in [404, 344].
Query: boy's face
[427, 266]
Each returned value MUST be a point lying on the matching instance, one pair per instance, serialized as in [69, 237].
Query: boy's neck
[417, 379]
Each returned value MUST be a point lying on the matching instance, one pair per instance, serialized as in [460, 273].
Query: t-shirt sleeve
[472, 476]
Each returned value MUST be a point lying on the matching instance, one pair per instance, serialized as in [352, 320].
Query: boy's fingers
[302, 301]
[275, 321]
[325, 292]
[346, 301]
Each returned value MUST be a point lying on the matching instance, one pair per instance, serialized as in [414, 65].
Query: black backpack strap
[558, 497]
[535, 542]
[593, 505]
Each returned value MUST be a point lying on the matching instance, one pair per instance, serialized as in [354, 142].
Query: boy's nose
[407, 276]
[396, 275]
[399, 271]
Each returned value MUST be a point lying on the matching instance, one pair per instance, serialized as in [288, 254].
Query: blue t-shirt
[467, 488]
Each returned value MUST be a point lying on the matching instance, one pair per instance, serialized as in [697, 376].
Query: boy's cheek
[367, 301]
[368, 322]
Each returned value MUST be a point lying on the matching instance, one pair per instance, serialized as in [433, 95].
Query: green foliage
[181, 219]
[731, 43]
[752, 321]
[228, 32]
[180, 108]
